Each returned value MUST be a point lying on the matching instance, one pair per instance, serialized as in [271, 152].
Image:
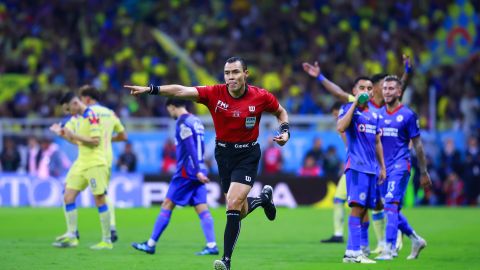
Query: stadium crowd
[60, 45]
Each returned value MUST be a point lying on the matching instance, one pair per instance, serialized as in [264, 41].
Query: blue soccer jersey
[397, 129]
[190, 147]
[361, 135]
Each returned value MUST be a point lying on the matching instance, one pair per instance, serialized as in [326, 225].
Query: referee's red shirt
[236, 119]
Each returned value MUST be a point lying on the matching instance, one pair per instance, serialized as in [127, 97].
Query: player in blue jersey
[188, 183]
[375, 104]
[364, 161]
[398, 126]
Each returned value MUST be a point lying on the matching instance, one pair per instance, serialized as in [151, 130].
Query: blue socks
[162, 222]
[403, 225]
[206, 221]
[354, 233]
[392, 224]
[364, 234]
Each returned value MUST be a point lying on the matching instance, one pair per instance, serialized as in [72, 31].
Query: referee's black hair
[90, 91]
[67, 97]
[177, 102]
[378, 77]
[361, 78]
[234, 59]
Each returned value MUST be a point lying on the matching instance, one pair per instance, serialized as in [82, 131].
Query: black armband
[285, 128]
[154, 90]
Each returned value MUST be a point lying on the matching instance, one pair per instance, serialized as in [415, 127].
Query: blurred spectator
[450, 158]
[310, 167]
[453, 189]
[272, 158]
[53, 162]
[168, 156]
[127, 161]
[33, 155]
[332, 165]
[316, 152]
[10, 156]
[472, 171]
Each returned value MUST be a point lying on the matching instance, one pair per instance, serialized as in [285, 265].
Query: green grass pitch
[291, 242]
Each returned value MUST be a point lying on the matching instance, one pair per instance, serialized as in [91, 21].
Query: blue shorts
[394, 187]
[361, 188]
[187, 192]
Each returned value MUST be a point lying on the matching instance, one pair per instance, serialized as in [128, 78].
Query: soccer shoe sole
[269, 209]
[219, 265]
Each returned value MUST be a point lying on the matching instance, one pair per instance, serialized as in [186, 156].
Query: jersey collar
[244, 93]
[395, 110]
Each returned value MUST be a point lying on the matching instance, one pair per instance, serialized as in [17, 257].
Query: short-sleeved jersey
[190, 147]
[237, 119]
[89, 156]
[397, 128]
[361, 134]
[111, 124]
[70, 122]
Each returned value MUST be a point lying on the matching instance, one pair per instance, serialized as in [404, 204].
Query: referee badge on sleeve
[250, 122]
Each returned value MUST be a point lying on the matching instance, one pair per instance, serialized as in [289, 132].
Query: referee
[236, 109]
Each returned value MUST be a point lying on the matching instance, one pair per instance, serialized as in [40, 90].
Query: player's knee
[168, 204]
[234, 203]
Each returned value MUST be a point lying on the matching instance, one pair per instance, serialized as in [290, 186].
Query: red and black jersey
[236, 119]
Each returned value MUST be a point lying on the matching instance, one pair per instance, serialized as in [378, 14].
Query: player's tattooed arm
[332, 88]
[425, 181]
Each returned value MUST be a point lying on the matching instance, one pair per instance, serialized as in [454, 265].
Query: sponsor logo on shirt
[390, 132]
[250, 122]
[221, 105]
[236, 113]
[388, 121]
[367, 128]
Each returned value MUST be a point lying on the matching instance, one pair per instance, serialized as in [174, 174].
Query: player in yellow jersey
[113, 131]
[89, 169]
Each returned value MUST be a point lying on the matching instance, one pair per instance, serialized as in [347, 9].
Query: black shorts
[237, 162]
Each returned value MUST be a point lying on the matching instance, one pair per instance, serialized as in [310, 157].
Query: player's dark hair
[67, 97]
[89, 91]
[234, 59]
[393, 78]
[176, 102]
[378, 77]
[361, 78]
[336, 106]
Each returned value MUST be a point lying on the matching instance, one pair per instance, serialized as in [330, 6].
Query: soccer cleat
[357, 259]
[65, 242]
[144, 247]
[417, 246]
[114, 236]
[384, 256]
[221, 265]
[268, 206]
[333, 239]
[102, 245]
[208, 251]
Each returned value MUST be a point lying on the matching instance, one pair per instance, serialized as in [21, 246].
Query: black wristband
[285, 128]
[154, 90]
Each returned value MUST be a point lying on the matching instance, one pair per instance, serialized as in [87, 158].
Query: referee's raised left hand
[281, 139]
[137, 90]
